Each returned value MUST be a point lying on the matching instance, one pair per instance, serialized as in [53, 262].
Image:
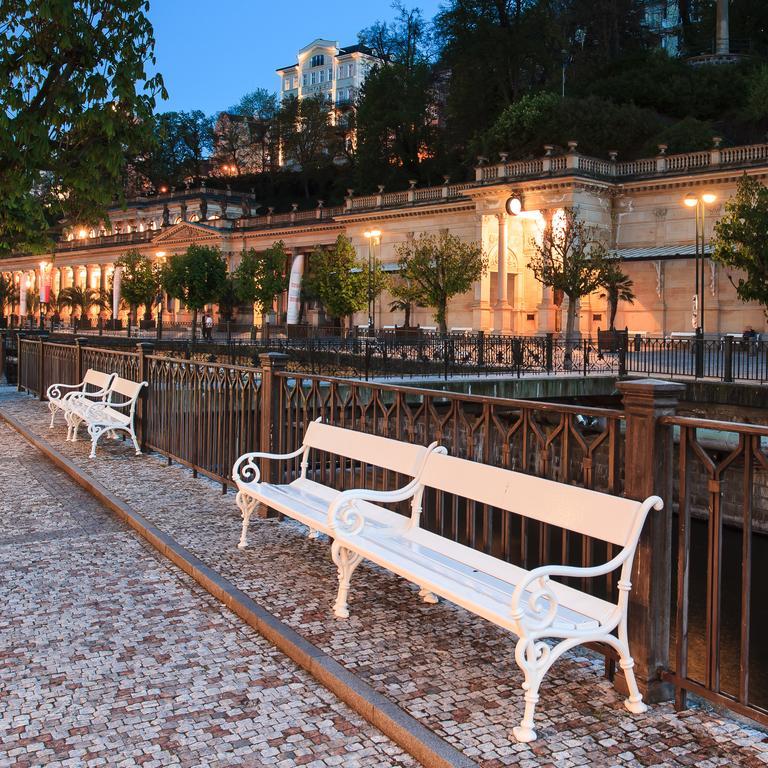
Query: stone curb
[406, 731]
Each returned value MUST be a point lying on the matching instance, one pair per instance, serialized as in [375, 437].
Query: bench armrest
[542, 601]
[247, 470]
[344, 514]
[54, 391]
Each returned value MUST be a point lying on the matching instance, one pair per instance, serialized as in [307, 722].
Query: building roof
[660, 252]
[356, 49]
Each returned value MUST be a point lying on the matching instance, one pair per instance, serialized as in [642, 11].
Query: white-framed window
[338, 73]
[287, 84]
[351, 69]
[305, 80]
[321, 76]
[295, 82]
[312, 78]
[318, 60]
[330, 74]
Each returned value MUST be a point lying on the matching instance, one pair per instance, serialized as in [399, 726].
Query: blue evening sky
[210, 54]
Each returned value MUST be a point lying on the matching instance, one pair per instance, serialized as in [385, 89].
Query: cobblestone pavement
[453, 671]
[111, 656]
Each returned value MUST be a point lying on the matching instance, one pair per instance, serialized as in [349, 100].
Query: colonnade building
[637, 205]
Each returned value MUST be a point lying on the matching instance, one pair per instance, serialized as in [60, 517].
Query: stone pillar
[502, 315]
[648, 470]
[481, 307]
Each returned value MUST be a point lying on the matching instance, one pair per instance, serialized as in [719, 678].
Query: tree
[256, 136]
[439, 267]
[570, 258]
[81, 299]
[405, 295]
[139, 281]
[227, 299]
[341, 281]
[618, 287]
[195, 277]
[7, 295]
[740, 241]
[77, 103]
[307, 138]
[259, 277]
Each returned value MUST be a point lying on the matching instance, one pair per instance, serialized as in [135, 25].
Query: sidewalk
[451, 670]
[111, 656]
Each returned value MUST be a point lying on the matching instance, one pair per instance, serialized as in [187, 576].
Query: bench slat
[584, 511]
[383, 452]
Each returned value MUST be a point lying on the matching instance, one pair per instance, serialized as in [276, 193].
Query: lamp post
[45, 290]
[699, 203]
[372, 236]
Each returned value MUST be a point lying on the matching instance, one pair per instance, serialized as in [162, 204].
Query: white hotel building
[322, 67]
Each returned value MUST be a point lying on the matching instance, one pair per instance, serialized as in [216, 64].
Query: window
[287, 84]
[318, 60]
[351, 68]
[338, 73]
[312, 78]
[305, 80]
[321, 76]
[330, 74]
[295, 82]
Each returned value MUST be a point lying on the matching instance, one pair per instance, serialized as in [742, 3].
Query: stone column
[502, 315]
[648, 471]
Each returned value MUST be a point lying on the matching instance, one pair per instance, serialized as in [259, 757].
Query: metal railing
[713, 476]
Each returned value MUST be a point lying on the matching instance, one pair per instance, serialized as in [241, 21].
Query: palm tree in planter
[404, 295]
[618, 287]
[81, 300]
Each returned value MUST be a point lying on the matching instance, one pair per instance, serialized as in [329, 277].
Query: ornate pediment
[186, 232]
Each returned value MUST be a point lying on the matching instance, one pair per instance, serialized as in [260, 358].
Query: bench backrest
[591, 513]
[97, 380]
[394, 455]
[129, 390]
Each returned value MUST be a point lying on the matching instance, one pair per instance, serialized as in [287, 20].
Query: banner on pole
[294, 289]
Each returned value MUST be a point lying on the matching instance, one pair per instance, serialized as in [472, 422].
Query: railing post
[698, 352]
[548, 351]
[648, 470]
[481, 348]
[142, 408]
[78, 360]
[728, 359]
[271, 418]
[623, 344]
[41, 365]
[3, 335]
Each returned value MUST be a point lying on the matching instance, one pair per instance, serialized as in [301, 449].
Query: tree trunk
[570, 321]
[407, 315]
[613, 305]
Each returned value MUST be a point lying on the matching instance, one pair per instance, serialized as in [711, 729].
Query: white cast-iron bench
[94, 386]
[529, 604]
[115, 413]
[308, 500]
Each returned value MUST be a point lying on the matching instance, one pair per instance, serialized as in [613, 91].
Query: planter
[113, 325]
[147, 325]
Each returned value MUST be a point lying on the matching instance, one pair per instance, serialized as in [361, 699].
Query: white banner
[23, 295]
[294, 289]
[116, 277]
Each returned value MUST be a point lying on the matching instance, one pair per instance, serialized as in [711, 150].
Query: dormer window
[318, 60]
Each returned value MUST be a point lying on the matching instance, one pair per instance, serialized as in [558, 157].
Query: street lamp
[699, 203]
[45, 291]
[372, 235]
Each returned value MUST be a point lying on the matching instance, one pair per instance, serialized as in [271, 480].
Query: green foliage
[261, 104]
[618, 287]
[195, 277]
[342, 291]
[740, 241]
[439, 267]
[139, 280]
[571, 258]
[227, 299]
[757, 95]
[81, 299]
[308, 139]
[76, 103]
[7, 294]
[259, 277]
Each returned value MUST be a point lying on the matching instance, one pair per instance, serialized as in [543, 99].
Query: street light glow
[690, 200]
[709, 198]
[372, 233]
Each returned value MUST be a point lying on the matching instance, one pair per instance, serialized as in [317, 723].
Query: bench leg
[135, 442]
[52, 409]
[634, 702]
[95, 433]
[427, 596]
[533, 658]
[247, 505]
[346, 561]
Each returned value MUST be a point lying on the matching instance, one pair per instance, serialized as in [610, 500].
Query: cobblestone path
[111, 656]
[453, 671]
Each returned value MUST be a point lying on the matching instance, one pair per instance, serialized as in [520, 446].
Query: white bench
[108, 415]
[307, 500]
[527, 603]
[94, 386]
